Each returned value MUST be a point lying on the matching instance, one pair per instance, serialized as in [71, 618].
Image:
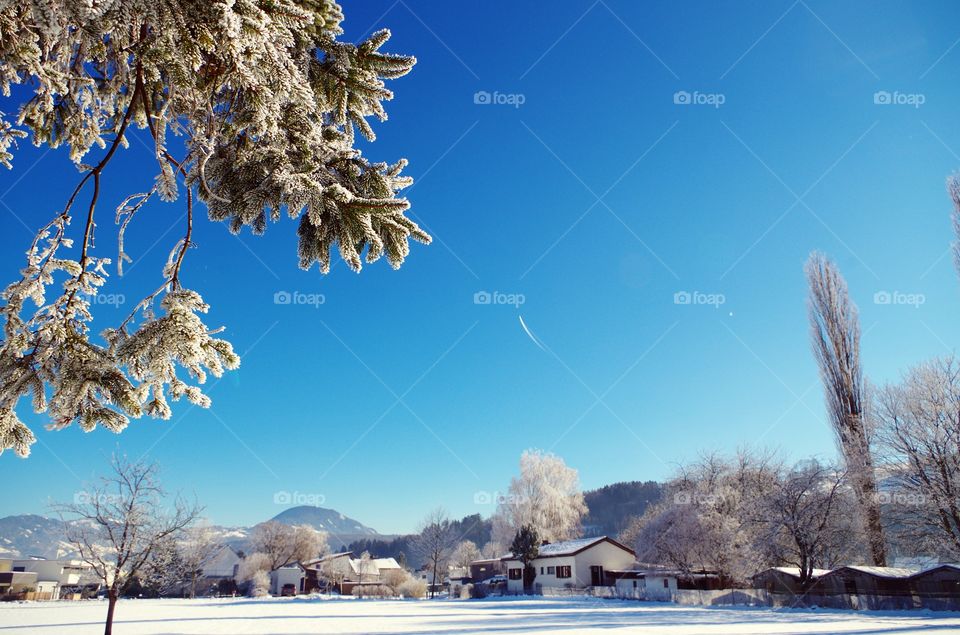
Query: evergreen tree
[266, 101]
[525, 548]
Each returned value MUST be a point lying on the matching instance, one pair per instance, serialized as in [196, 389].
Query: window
[515, 574]
[541, 570]
[666, 583]
[634, 584]
[551, 570]
[563, 572]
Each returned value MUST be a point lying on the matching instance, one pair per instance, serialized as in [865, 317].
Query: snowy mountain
[33, 535]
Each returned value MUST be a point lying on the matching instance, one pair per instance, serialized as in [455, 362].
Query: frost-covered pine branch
[266, 102]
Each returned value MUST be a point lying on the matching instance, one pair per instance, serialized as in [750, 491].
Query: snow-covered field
[502, 615]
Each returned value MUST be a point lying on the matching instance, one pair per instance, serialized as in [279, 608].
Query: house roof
[937, 568]
[877, 572]
[794, 571]
[573, 547]
[386, 563]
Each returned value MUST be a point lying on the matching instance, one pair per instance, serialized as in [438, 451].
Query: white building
[53, 576]
[645, 584]
[292, 573]
[573, 564]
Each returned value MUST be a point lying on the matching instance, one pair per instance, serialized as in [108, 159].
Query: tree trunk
[870, 509]
[111, 605]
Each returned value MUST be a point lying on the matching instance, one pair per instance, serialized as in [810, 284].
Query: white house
[577, 563]
[53, 576]
[223, 564]
[292, 573]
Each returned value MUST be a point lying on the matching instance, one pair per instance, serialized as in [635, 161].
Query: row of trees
[737, 515]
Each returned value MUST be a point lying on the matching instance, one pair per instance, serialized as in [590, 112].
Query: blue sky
[595, 201]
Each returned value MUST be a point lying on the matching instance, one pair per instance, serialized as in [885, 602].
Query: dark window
[563, 572]
[20, 569]
[666, 583]
[541, 570]
[634, 584]
[551, 570]
[516, 574]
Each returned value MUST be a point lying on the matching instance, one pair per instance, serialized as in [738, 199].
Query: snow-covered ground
[501, 615]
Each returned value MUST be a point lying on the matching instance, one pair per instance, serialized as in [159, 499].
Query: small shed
[785, 580]
[865, 580]
[942, 581]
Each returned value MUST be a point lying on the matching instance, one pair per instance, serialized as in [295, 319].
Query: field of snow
[514, 616]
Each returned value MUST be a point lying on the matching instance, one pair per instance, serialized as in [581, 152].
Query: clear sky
[584, 190]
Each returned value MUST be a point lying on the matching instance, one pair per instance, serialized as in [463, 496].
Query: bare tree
[433, 544]
[121, 522]
[835, 331]
[546, 496]
[803, 520]
[919, 427]
[283, 544]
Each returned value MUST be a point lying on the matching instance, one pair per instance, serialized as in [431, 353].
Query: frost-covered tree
[546, 496]
[165, 570]
[120, 523]
[464, 553]
[919, 430]
[803, 519]
[251, 564]
[198, 547]
[433, 543]
[283, 544]
[251, 107]
[708, 517]
[835, 332]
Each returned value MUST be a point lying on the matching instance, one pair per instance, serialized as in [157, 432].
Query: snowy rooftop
[883, 572]
[795, 571]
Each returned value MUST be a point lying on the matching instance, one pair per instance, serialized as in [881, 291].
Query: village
[598, 566]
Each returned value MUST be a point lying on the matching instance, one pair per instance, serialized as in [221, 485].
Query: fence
[761, 597]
